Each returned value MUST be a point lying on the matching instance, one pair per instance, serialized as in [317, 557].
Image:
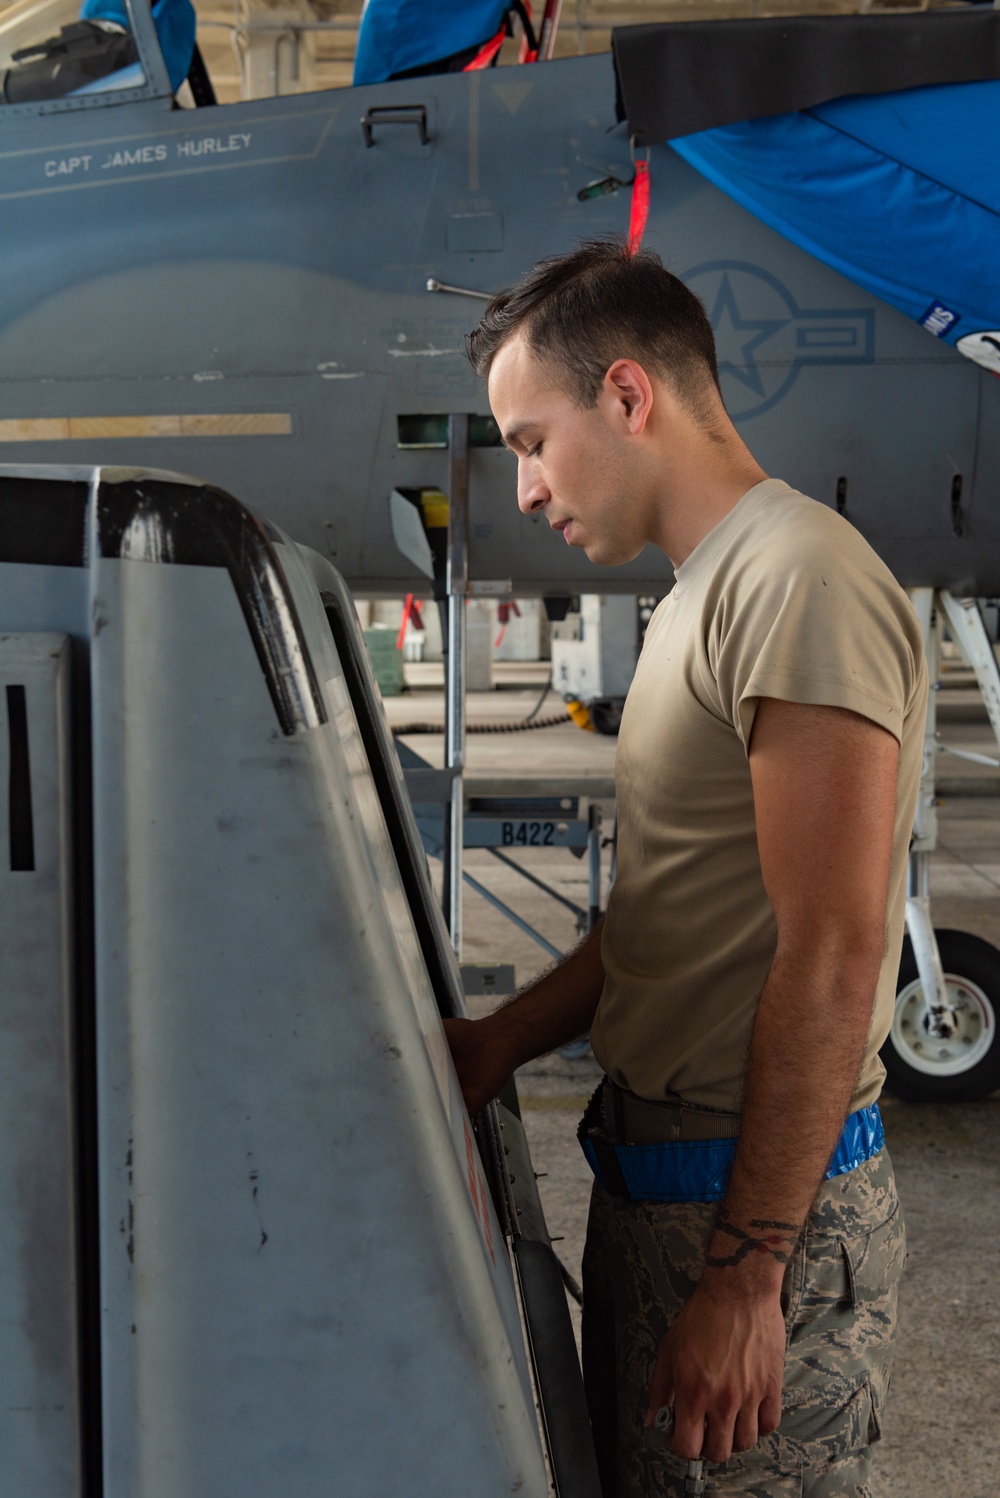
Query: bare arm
[557, 1008]
[824, 784]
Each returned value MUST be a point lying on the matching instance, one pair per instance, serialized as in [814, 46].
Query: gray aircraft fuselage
[239, 293]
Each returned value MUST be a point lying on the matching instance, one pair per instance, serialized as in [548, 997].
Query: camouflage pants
[641, 1264]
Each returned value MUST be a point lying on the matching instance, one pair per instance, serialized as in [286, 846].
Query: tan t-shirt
[782, 599]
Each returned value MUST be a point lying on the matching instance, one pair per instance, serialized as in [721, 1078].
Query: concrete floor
[942, 1432]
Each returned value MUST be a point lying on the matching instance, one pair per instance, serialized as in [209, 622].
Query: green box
[386, 659]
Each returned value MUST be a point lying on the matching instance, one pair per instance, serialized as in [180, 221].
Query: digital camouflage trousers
[642, 1262]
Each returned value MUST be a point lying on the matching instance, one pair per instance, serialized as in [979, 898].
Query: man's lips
[562, 526]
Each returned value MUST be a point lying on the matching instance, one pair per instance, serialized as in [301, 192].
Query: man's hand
[720, 1366]
[483, 1065]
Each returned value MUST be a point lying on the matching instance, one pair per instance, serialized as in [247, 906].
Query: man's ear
[628, 388]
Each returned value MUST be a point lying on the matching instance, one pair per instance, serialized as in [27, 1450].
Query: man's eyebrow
[515, 434]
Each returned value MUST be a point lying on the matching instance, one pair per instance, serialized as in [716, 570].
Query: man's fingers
[689, 1438]
[769, 1414]
[746, 1429]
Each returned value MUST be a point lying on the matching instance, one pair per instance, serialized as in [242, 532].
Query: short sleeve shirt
[783, 599]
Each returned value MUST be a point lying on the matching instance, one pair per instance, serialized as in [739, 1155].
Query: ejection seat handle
[395, 114]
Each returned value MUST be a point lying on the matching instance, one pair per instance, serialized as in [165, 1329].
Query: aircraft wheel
[961, 1067]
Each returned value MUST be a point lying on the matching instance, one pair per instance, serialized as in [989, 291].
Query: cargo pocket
[826, 1427]
[841, 1338]
[878, 1388]
[768, 1471]
[874, 1263]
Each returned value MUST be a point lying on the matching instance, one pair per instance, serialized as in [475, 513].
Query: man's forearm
[805, 1053]
[556, 1008]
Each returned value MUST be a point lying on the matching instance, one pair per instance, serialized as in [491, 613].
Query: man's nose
[532, 491]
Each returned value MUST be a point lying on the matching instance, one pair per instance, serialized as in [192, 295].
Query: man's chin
[608, 554]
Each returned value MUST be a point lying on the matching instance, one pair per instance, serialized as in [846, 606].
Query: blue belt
[697, 1170]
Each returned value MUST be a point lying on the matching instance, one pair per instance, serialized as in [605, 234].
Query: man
[744, 978]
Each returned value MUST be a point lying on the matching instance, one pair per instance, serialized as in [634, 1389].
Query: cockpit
[73, 53]
[51, 49]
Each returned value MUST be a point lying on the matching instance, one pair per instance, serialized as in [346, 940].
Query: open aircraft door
[250, 1241]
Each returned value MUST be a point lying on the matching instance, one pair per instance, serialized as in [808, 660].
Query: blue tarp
[397, 35]
[899, 192]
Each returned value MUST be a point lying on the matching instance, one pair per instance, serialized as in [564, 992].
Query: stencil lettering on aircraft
[140, 156]
[96, 163]
[68, 166]
[120, 158]
[764, 338]
[214, 145]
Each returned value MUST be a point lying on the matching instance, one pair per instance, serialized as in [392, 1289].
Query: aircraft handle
[395, 114]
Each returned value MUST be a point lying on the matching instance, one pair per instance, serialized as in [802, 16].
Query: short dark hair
[600, 303]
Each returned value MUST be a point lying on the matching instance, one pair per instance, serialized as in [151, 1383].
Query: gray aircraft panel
[39, 1403]
[240, 293]
[246, 1276]
[294, 1276]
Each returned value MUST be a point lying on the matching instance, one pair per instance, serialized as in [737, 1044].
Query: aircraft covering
[897, 190]
[397, 35]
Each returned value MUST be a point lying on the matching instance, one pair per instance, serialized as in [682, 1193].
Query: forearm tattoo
[775, 1238]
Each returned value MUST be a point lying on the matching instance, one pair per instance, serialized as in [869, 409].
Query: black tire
[972, 971]
[606, 714]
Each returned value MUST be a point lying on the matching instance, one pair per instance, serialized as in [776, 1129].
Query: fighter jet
[273, 295]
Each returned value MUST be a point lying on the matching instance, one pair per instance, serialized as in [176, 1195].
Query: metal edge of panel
[160, 518]
[396, 806]
[549, 1330]
[546, 1326]
[500, 1136]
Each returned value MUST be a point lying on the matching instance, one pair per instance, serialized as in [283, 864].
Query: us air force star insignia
[764, 338]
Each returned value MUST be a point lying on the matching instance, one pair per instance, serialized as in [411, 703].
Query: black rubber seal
[163, 521]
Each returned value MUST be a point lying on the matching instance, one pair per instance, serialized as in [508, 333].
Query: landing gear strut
[943, 1045]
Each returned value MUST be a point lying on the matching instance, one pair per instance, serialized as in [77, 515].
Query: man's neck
[700, 491]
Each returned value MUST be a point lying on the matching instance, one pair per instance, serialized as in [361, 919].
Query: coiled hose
[520, 725]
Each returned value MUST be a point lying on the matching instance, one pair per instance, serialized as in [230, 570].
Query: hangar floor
[942, 1433]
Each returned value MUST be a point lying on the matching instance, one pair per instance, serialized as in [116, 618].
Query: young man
[744, 1242]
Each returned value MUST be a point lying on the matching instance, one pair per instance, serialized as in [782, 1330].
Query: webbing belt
[639, 210]
[697, 1170]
